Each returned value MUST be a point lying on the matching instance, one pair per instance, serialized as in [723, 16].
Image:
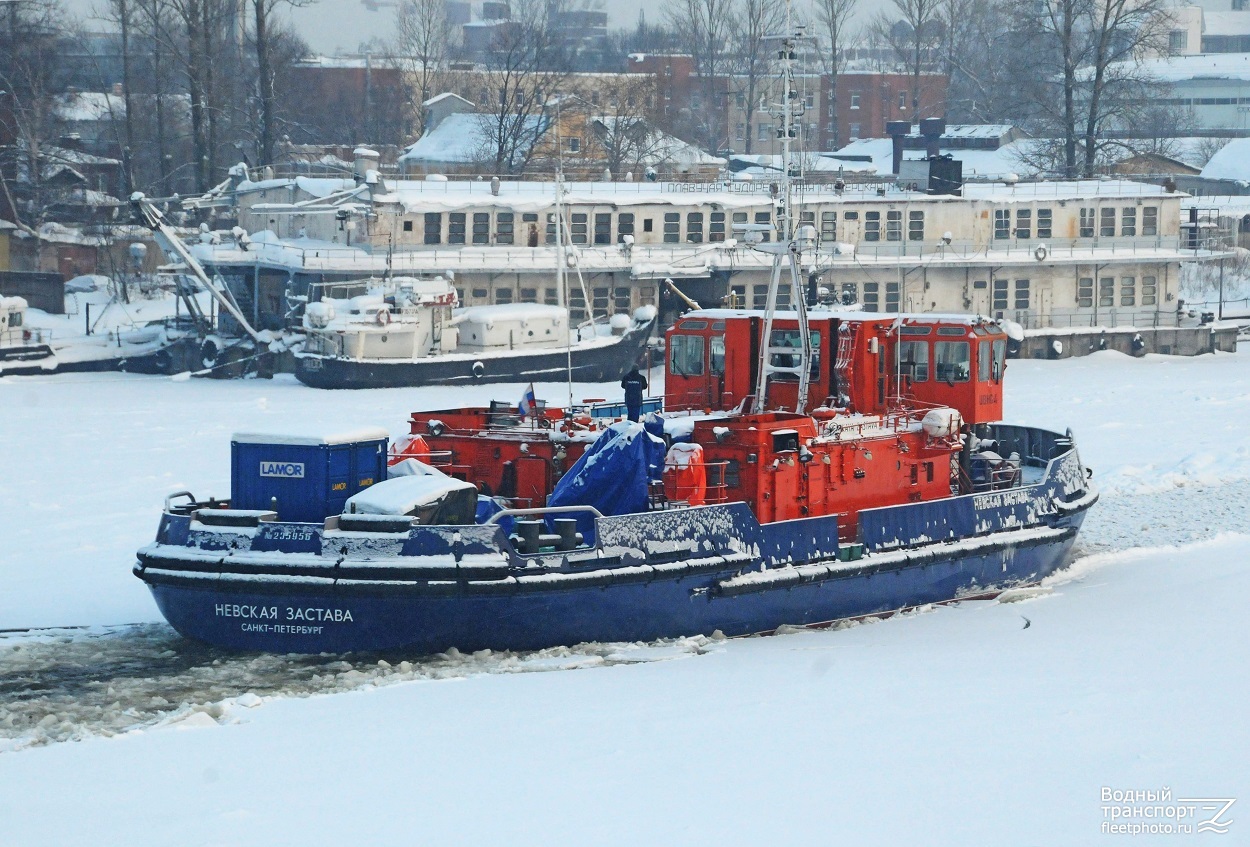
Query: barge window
[1087, 223]
[1085, 292]
[1022, 294]
[1043, 223]
[694, 227]
[872, 226]
[893, 226]
[1148, 291]
[1128, 220]
[1002, 223]
[717, 354]
[503, 228]
[1128, 291]
[1150, 220]
[913, 359]
[1106, 291]
[455, 227]
[578, 228]
[1106, 227]
[828, 227]
[1024, 223]
[481, 227]
[953, 359]
[870, 296]
[915, 226]
[685, 358]
[1000, 295]
[624, 225]
[433, 228]
[603, 228]
[716, 226]
[672, 227]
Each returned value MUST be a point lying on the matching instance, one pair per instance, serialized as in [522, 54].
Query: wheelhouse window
[913, 360]
[685, 355]
[953, 361]
[791, 338]
[716, 351]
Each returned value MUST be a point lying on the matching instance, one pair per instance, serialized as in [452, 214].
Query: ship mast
[789, 243]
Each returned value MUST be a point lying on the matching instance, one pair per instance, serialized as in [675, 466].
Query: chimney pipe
[932, 129]
[897, 130]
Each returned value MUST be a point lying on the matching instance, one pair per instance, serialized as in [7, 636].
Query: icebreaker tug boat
[491, 528]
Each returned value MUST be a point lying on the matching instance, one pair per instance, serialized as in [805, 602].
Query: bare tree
[31, 76]
[267, 70]
[705, 27]
[524, 72]
[421, 45]
[622, 129]
[1085, 57]
[914, 30]
[750, 62]
[833, 19]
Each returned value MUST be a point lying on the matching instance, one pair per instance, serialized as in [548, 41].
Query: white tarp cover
[403, 495]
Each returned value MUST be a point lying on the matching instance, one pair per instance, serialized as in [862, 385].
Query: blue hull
[309, 588]
[304, 623]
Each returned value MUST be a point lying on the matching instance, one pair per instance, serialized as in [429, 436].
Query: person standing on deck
[634, 384]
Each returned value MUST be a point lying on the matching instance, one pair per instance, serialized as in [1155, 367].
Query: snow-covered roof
[1200, 66]
[1231, 162]
[88, 106]
[987, 164]
[447, 95]
[460, 138]
[312, 439]
[1225, 23]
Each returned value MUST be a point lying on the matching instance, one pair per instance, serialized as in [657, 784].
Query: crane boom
[169, 239]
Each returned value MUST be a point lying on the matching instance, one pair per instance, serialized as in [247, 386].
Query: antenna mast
[789, 243]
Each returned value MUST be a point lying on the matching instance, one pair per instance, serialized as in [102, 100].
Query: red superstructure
[505, 455]
[891, 400]
[861, 361]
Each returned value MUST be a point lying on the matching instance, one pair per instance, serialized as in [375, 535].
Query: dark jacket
[634, 384]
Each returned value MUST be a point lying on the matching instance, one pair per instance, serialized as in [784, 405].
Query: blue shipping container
[311, 477]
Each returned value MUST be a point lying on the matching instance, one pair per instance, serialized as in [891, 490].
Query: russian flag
[528, 404]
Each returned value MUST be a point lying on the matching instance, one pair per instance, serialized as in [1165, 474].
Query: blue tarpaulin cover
[611, 475]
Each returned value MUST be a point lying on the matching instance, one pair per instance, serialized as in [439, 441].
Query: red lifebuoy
[384, 317]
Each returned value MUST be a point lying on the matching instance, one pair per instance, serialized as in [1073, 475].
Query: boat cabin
[13, 331]
[861, 361]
